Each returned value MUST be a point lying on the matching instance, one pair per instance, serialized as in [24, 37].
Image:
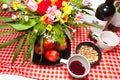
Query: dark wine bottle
[114, 24]
[104, 12]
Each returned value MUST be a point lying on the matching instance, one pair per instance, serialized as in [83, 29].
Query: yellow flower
[64, 3]
[67, 9]
[53, 2]
[44, 19]
[15, 5]
[49, 27]
[64, 18]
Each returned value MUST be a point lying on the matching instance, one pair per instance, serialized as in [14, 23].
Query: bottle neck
[109, 1]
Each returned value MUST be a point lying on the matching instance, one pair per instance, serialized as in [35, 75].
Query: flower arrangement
[43, 19]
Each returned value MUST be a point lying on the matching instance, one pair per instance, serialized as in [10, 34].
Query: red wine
[77, 68]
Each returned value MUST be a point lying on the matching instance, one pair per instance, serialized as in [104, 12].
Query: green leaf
[70, 20]
[86, 12]
[18, 49]
[22, 6]
[76, 2]
[40, 40]
[86, 7]
[81, 24]
[5, 1]
[24, 26]
[93, 25]
[41, 47]
[59, 33]
[33, 37]
[31, 52]
[5, 19]
[41, 28]
[5, 33]
[26, 49]
[10, 42]
[5, 26]
[67, 32]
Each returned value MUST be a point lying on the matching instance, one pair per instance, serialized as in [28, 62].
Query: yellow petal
[67, 9]
[64, 18]
[15, 5]
[53, 2]
[49, 27]
[64, 3]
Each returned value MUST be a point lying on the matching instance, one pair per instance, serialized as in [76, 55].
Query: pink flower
[79, 18]
[31, 5]
[51, 11]
[87, 2]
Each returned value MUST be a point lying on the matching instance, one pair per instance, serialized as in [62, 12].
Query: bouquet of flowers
[44, 21]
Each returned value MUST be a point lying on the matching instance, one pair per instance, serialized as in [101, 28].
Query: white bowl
[80, 58]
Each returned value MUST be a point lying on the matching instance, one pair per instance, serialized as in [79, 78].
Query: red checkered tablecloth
[107, 69]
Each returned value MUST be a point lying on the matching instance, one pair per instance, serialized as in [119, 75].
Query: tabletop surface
[107, 69]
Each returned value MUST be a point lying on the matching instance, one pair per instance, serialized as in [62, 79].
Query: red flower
[43, 6]
[59, 3]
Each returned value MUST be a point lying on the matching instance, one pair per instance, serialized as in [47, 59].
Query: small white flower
[35, 30]
[4, 6]
[74, 30]
[26, 18]
[58, 14]
[14, 17]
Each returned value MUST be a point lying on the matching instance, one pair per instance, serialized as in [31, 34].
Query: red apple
[61, 47]
[52, 55]
[48, 44]
[38, 49]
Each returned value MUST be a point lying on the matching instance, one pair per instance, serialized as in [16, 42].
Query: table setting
[33, 46]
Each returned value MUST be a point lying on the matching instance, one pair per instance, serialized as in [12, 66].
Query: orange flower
[46, 20]
[64, 18]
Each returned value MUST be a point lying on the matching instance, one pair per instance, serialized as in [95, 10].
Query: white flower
[4, 6]
[58, 14]
[74, 30]
[26, 18]
[14, 17]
